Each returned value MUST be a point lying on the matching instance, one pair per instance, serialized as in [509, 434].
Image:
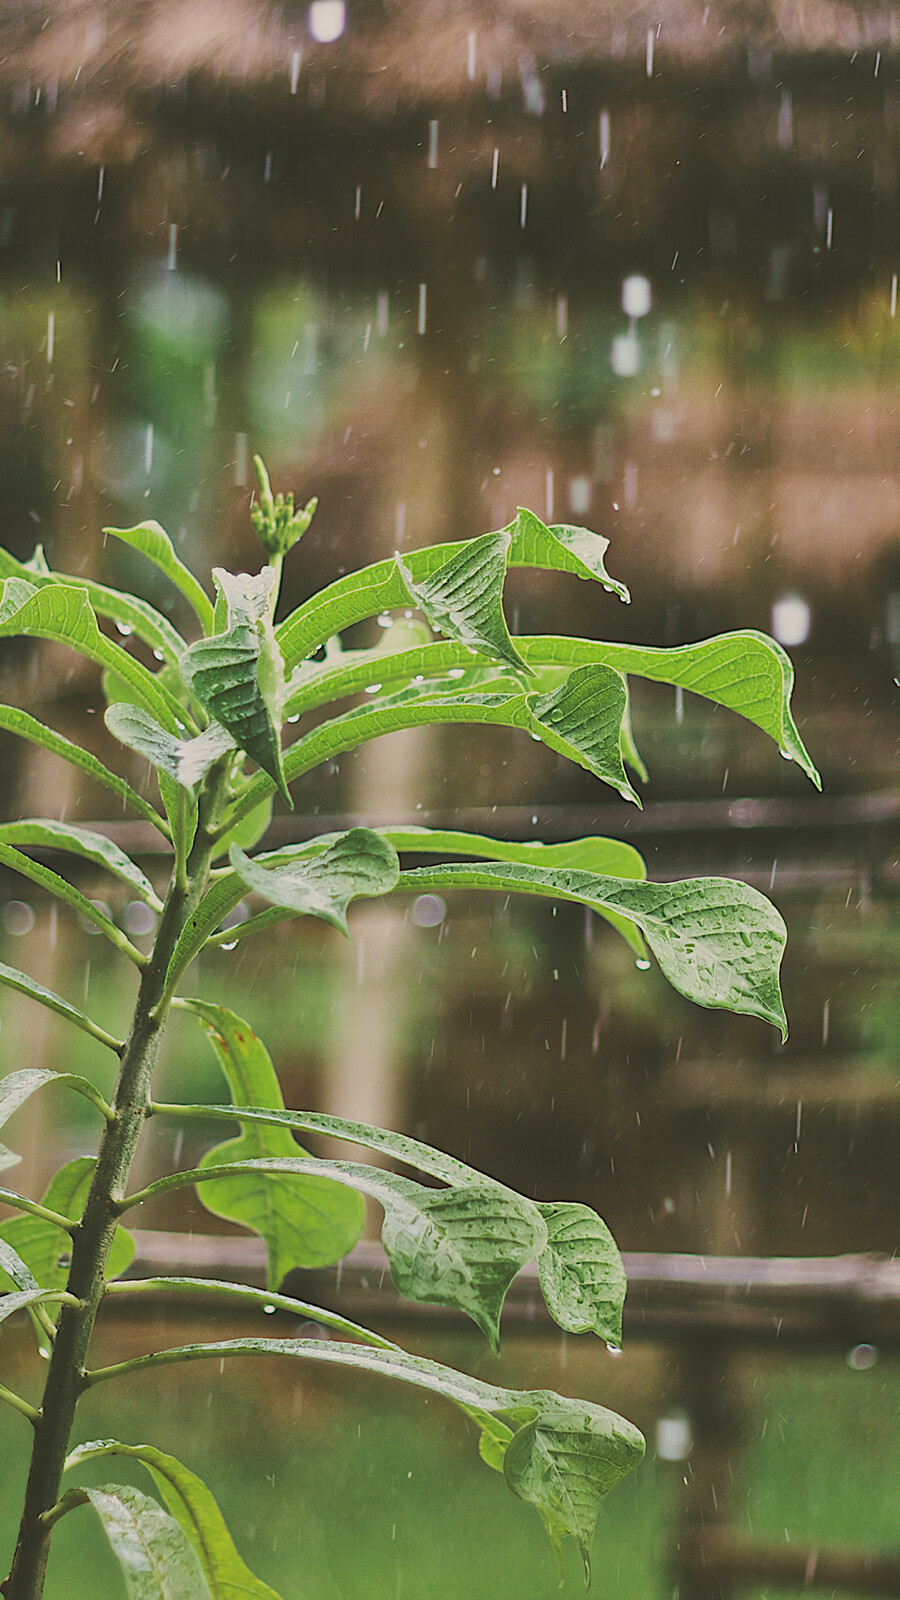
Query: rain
[638, 276]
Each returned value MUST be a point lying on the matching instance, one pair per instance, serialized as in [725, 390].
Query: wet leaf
[51, 881]
[131, 613]
[359, 863]
[306, 1221]
[581, 718]
[719, 942]
[186, 761]
[381, 587]
[194, 1508]
[238, 674]
[456, 1247]
[27, 727]
[565, 1459]
[564, 1455]
[153, 542]
[91, 846]
[45, 1249]
[581, 1273]
[157, 1559]
[464, 598]
[64, 615]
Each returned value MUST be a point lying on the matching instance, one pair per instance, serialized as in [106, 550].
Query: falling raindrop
[172, 257]
[295, 70]
[651, 42]
[495, 167]
[523, 205]
[826, 1021]
[432, 144]
[51, 331]
[548, 494]
[423, 308]
[785, 120]
[604, 138]
[148, 449]
[471, 54]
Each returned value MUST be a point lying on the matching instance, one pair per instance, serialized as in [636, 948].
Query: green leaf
[459, 1247]
[580, 1268]
[20, 1300]
[305, 1221]
[55, 885]
[16, 1270]
[745, 671]
[456, 1247]
[44, 1248]
[238, 674]
[719, 942]
[35, 831]
[580, 719]
[157, 1559]
[583, 719]
[381, 587]
[581, 1272]
[609, 856]
[567, 1454]
[54, 1002]
[359, 863]
[193, 1507]
[246, 833]
[561, 547]
[132, 614]
[412, 1152]
[27, 727]
[186, 761]
[64, 615]
[220, 898]
[464, 598]
[153, 542]
[565, 1460]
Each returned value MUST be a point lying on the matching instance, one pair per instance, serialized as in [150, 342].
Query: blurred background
[636, 269]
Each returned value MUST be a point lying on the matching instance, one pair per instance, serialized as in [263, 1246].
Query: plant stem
[18, 1404]
[92, 1237]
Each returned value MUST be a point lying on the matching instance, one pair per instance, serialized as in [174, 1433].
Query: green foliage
[214, 705]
